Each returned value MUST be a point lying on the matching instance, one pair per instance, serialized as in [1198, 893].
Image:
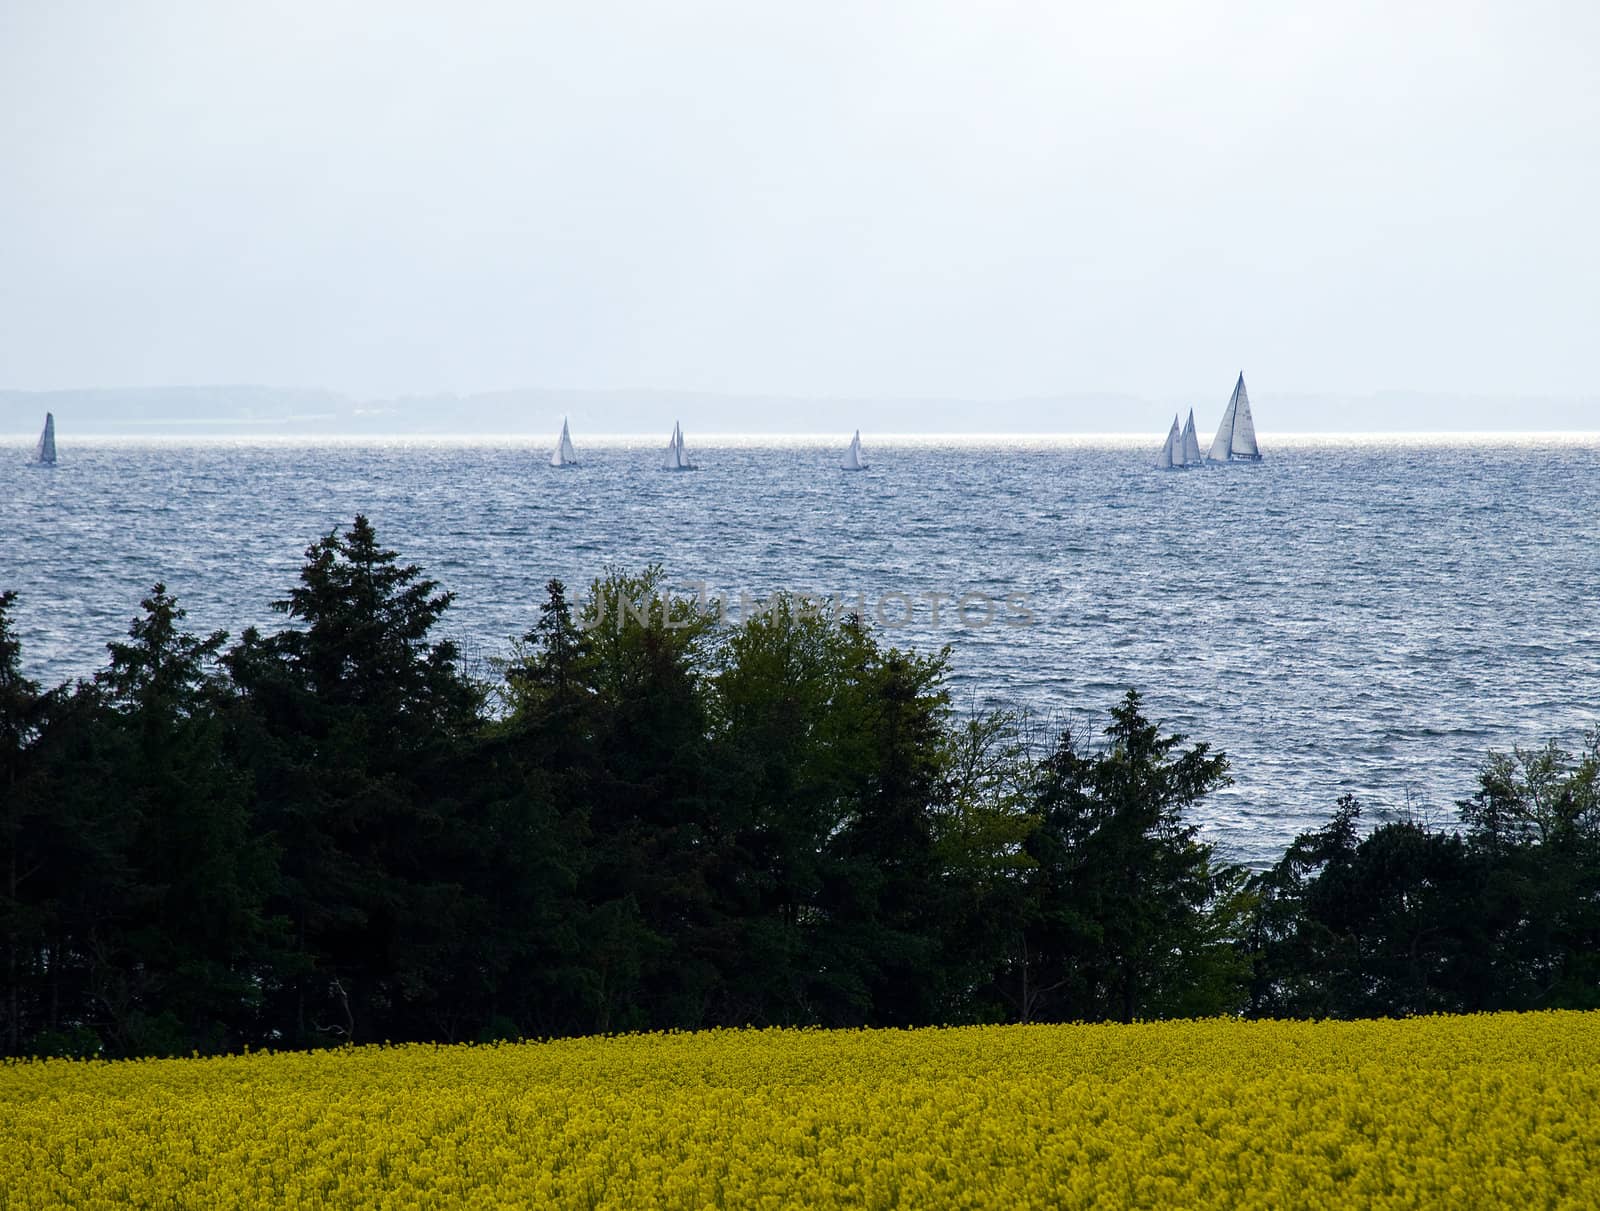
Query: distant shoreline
[253, 435]
[1280, 413]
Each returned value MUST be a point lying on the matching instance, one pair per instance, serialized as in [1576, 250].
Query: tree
[533, 769]
[1131, 915]
[1293, 946]
[69, 837]
[1533, 829]
[654, 840]
[20, 710]
[883, 895]
[981, 830]
[185, 962]
[784, 726]
[136, 892]
[354, 727]
[1388, 924]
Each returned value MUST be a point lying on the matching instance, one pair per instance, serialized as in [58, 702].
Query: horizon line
[1151, 396]
[749, 437]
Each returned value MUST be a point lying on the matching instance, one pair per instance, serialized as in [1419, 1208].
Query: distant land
[269, 411]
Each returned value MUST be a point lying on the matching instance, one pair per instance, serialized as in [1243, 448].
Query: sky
[981, 200]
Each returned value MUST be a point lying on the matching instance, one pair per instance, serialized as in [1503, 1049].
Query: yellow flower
[1457, 1112]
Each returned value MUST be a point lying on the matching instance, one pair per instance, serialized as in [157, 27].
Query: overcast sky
[983, 199]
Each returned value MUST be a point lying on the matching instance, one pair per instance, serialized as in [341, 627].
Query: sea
[1365, 614]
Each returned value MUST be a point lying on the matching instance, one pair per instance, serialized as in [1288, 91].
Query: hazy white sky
[984, 199]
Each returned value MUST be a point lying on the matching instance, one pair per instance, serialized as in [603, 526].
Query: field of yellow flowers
[1481, 1111]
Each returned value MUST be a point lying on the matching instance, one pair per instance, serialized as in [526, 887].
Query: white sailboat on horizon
[1236, 435]
[852, 456]
[1191, 442]
[1171, 455]
[676, 459]
[564, 455]
[45, 452]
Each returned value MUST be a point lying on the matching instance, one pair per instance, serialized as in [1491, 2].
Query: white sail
[1244, 426]
[564, 455]
[1173, 446]
[676, 460]
[45, 452]
[852, 456]
[1222, 444]
[1191, 441]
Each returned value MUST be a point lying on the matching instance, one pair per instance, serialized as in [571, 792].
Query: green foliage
[1129, 915]
[325, 833]
[1533, 828]
[20, 918]
[142, 884]
[1504, 914]
[356, 729]
[783, 731]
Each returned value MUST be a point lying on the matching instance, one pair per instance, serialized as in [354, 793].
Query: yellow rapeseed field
[1493, 1111]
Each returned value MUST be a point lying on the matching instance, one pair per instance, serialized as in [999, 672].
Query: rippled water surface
[1365, 615]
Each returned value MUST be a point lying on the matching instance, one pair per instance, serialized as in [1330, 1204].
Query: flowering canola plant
[1490, 1111]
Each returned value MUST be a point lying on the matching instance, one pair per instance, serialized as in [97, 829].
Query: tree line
[333, 833]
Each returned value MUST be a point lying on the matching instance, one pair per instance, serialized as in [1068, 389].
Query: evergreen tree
[185, 952]
[137, 913]
[536, 765]
[355, 728]
[20, 711]
[1293, 946]
[883, 895]
[1389, 924]
[1131, 914]
[71, 838]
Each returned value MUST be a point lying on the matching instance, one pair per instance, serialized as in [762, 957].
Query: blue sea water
[1351, 614]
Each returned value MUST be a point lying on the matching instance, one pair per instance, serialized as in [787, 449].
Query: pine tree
[1132, 916]
[883, 895]
[356, 724]
[20, 709]
[190, 935]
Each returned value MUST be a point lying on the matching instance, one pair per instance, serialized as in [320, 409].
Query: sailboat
[676, 460]
[1191, 442]
[1236, 436]
[564, 455]
[45, 451]
[1172, 449]
[852, 456]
